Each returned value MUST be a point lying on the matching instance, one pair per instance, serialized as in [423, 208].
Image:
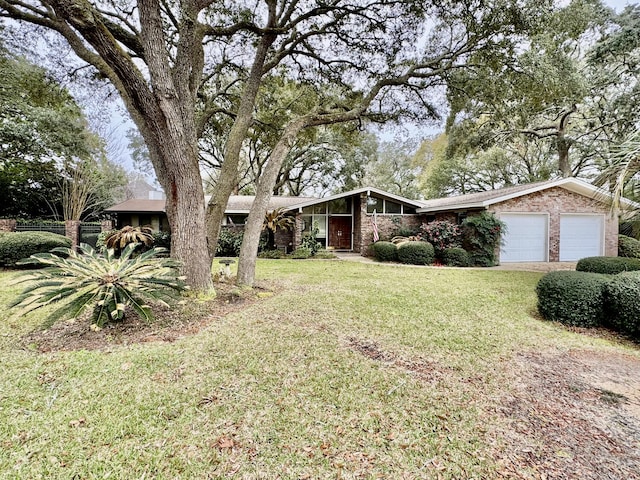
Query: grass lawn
[348, 371]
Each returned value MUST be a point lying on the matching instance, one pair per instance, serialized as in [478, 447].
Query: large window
[389, 207]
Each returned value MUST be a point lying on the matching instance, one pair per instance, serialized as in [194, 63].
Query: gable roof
[482, 200]
[368, 190]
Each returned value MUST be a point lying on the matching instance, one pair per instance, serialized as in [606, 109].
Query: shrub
[325, 255]
[572, 298]
[19, 245]
[271, 254]
[385, 251]
[90, 238]
[608, 265]
[441, 235]
[162, 239]
[309, 240]
[104, 284]
[405, 231]
[456, 257]
[229, 242]
[628, 247]
[301, 253]
[416, 253]
[481, 238]
[622, 296]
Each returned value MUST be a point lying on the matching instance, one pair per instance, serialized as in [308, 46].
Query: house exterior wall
[387, 225]
[556, 201]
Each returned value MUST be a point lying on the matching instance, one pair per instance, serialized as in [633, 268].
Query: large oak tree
[175, 63]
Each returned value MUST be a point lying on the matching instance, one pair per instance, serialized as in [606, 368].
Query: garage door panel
[580, 236]
[525, 239]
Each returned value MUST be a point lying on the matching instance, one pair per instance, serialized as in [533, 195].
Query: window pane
[320, 208]
[341, 205]
[392, 207]
[308, 210]
[409, 210]
[321, 222]
[307, 222]
[374, 203]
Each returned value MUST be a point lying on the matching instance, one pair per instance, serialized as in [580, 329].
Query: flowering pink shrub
[441, 234]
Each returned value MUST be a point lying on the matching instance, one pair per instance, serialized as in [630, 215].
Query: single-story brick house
[343, 220]
[559, 220]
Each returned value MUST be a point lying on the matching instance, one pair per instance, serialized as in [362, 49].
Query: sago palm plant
[119, 239]
[103, 283]
[273, 220]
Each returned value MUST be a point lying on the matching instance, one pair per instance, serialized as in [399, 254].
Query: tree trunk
[253, 227]
[228, 179]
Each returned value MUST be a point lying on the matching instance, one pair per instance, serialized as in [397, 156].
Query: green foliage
[442, 235]
[301, 253]
[310, 242]
[572, 298]
[229, 242]
[102, 237]
[622, 296]
[104, 284]
[628, 247]
[274, 254]
[16, 246]
[481, 238]
[608, 265]
[405, 231]
[456, 257]
[385, 251]
[416, 253]
[162, 239]
[42, 129]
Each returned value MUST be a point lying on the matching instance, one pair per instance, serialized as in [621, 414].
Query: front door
[340, 233]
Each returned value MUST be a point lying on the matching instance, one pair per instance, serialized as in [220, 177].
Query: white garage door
[580, 236]
[525, 239]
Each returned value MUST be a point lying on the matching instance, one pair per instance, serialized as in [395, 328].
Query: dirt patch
[424, 369]
[571, 416]
[168, 326]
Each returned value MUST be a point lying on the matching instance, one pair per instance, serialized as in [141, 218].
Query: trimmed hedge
[622, 296]
[456, 257]
[628, 247]
[416, 253]
[608, 265]
[16, 246]
[385, 251]
[573, 298]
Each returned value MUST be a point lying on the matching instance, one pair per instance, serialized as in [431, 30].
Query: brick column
[7, 225]
[106, 225]
[72, 231]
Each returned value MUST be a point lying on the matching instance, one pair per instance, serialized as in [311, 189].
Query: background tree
[43, 132]
[544, 95]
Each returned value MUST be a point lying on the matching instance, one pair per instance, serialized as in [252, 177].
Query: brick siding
[556, 201]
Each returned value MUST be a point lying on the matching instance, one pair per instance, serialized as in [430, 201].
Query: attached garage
[526, 237]
[581, 236]
[559, 220]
